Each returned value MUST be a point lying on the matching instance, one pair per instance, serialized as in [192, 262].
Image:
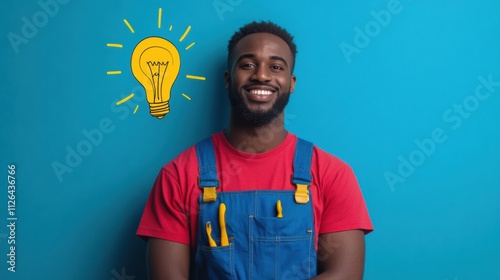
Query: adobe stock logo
[31, 25]
[223, 6]
[363, 37]
[121, 276]
[94, 137]
[454, 117]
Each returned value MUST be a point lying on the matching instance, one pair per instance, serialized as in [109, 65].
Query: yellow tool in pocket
[224, 240]
[279, 209]
[211, 241]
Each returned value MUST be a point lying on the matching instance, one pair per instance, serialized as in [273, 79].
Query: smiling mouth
[260, 92]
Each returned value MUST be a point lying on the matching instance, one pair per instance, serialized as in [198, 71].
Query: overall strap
[208, 180]
[302, 170]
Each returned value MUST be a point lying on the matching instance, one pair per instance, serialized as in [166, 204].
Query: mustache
[260, 84]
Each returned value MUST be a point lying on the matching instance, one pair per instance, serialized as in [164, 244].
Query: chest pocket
[258, 234]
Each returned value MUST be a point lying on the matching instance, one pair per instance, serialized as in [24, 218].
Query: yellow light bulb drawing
[155, 64]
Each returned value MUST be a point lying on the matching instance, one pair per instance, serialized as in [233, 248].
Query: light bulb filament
[157, 71]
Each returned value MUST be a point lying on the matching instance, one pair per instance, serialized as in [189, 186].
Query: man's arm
[341, 255]
[167, 260]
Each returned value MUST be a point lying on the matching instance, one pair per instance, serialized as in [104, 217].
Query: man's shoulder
[328, 159]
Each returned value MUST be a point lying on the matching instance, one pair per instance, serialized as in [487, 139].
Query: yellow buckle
[302, 194]
[209, 194]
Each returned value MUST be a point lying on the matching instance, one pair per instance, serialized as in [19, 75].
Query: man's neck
[255, 140]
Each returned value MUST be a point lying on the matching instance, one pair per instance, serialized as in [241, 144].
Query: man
[255, 201]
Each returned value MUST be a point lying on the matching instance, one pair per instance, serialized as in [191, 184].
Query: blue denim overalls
[262, 234]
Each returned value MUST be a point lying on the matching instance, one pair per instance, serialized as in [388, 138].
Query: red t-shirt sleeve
[164, 215]
[344, 207]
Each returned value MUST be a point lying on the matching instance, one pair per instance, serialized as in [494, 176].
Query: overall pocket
[282, 248]
[215, 262]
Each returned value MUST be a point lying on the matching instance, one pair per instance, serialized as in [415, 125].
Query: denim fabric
[262, 246]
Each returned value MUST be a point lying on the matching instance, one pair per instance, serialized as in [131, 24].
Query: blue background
[439, 220]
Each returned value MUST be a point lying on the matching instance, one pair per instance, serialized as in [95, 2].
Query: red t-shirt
[171, 211]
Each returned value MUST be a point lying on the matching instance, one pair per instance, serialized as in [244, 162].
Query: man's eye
[276, 67]
[247, 65]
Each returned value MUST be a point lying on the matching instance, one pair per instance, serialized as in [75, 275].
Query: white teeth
[261, 92]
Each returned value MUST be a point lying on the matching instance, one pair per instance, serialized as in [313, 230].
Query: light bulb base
[159, 109]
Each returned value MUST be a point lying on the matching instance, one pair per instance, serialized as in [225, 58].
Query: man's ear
[292, 83]
[227, 78]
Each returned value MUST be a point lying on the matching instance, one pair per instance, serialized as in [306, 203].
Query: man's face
[260, 79]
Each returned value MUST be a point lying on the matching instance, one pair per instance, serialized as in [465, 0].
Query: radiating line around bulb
[112, 45]
[118, 72]
[125, 99]
[201, 78]
[170, 29]
[128, 25]
[185, 33]
[187, 97]
[188, 47]
[159, 18]
[136, 107]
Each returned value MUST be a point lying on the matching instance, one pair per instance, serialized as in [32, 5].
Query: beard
[256, 118]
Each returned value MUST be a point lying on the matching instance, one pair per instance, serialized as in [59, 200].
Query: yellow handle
[279, 209]
[211, 241]
[224, 241]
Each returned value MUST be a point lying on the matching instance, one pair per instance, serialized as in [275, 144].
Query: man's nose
[261, 74]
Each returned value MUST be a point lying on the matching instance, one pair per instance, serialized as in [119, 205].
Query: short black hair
[261, 27]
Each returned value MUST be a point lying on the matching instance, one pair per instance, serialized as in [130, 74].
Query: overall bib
[262, 234]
